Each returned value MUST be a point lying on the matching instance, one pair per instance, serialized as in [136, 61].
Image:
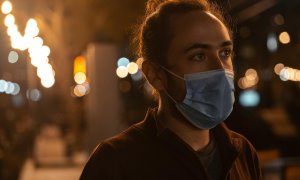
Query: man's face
[200, 43]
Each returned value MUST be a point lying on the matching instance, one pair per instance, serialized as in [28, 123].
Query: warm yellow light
[122, 72]
[12, 30]
[9, 20]
[18, 42]
[251, 74]
[132, 68]
[292, 74]
[278, 67]
[40, 62]
[36, 43]
[45, 50]
[297, 76]
[31, 29]
[284, 38]
[79, 90]
[43, 69]
[48, 82]
[250, 80]
[79, 65]
[80, 77]
[6, 7]
[240, 83]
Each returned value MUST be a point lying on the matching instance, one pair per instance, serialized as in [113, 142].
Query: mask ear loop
[176, 75]
[173, 75]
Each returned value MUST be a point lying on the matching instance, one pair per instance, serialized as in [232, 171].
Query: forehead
[198, 27]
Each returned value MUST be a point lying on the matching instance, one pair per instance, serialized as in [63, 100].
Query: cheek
[177, 89]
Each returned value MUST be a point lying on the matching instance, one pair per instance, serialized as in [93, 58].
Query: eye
[199, 57]
[226, 53]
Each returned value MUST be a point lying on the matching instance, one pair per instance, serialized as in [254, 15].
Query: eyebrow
[207, 46]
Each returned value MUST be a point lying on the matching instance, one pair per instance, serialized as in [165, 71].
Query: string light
[278, 67]
[30, 41]
[6, 7]
[249, 80]
[289, 74]
[9, 87]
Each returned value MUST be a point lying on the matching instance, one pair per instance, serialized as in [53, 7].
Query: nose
[216, 62]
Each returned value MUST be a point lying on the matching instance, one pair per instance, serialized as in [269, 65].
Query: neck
[171, 119]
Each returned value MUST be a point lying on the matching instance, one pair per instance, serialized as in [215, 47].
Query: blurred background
[69, 79]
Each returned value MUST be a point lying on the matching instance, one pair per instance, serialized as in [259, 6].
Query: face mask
[209, 97]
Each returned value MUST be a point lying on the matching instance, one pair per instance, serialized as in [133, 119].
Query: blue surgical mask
[209, 97]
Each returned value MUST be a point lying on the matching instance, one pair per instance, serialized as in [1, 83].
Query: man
[187, 52]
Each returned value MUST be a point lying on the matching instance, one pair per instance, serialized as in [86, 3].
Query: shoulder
[240, 142]
[247, 155]
[132, 140]
[129, 138]
[105, 160]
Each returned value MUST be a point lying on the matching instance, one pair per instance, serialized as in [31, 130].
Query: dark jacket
[140, 153]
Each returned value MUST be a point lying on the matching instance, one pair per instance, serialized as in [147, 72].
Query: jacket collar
[229, 147]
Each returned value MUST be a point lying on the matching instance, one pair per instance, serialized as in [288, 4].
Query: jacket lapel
[229, 148]
[174, 145]
[183, 153]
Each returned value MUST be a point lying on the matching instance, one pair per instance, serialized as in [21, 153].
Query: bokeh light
[290, 74]
[3, 85]
[137, 76]
[79, 64]
[249, 80]
[34, 94]
[123, 62]
[48, 82]
[6, 7]
[13, 57]
[278, 67]
[272, 43]
[79, 90]
[31, 29]
[9, 20]
[122, 72]
[249, 98]
[80, 77]
[9, 87]
[251, 74]
[132, 68]
[284, 38]
[37, 51]
[16, 89]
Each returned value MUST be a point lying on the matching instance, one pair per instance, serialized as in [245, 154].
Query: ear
[153, 74]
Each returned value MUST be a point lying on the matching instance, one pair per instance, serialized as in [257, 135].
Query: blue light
[249, 98]
[272, 43]
[123, 62]
[137, 76]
